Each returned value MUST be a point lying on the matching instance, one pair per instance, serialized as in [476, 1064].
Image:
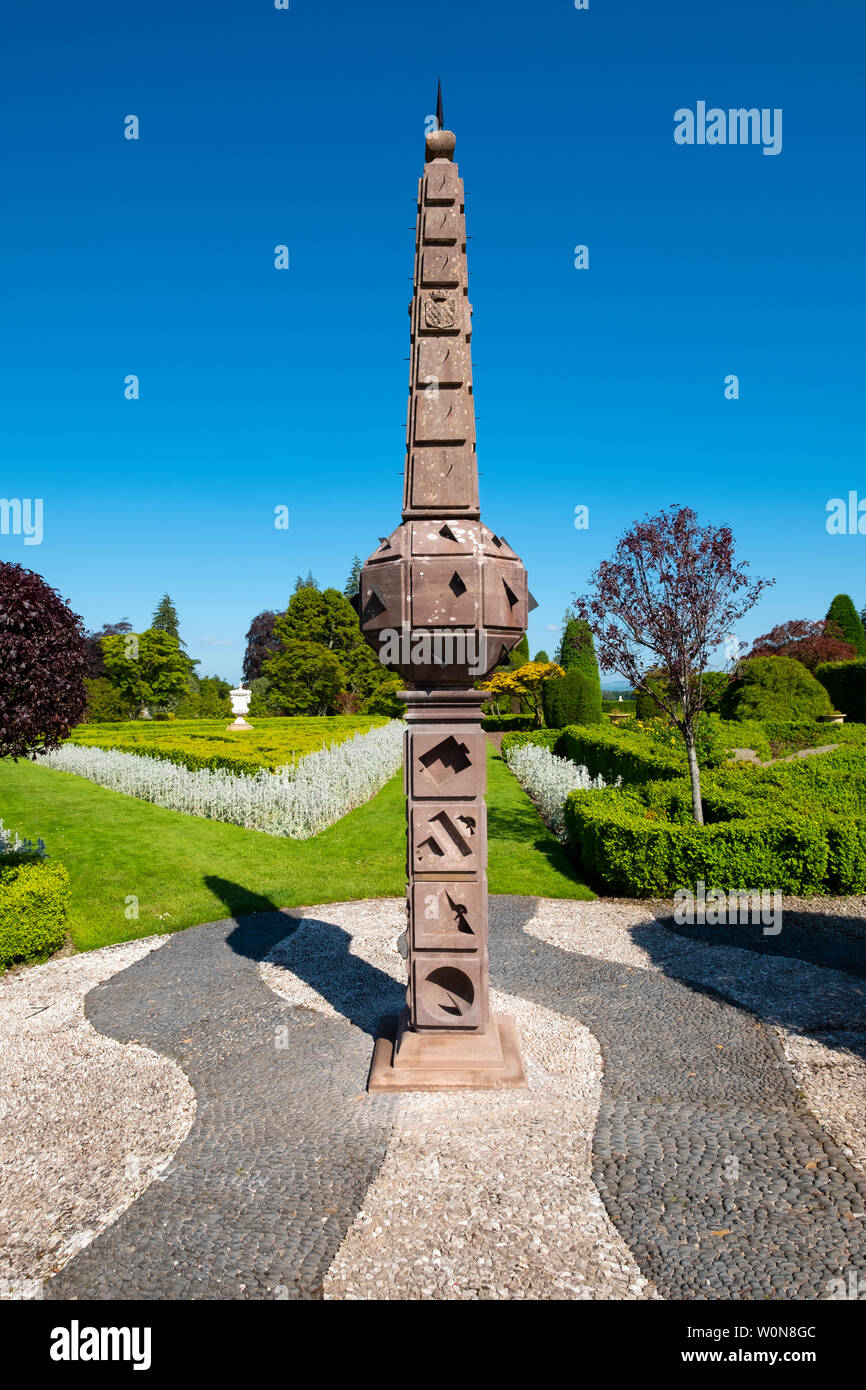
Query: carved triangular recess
[373, 607]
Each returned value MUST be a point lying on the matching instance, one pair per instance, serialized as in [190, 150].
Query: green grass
[184, 870]
[207, 742]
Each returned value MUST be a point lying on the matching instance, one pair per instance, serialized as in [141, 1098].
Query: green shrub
[625, 753]
[574, 698]
[714, 685]
[631, 848]
[843, 613]
[34, 906]
[789, 735]
[645, 705]
[775, 687]
[105, 704]
[796, 827]
[544, 738]
[493, 723]
[845, 683]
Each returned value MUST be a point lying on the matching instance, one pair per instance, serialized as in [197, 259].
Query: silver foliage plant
[10, 843]
[296, 801]
[548, 780]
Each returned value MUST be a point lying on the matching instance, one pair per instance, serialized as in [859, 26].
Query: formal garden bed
[208, 744]
[796, 826]
[298, 799]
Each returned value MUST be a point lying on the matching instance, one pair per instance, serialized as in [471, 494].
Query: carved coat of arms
[440, 310]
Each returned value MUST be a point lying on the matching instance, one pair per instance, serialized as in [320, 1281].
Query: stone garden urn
[240, 699]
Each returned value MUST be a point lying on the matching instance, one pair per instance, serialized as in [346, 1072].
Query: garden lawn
[184, 870]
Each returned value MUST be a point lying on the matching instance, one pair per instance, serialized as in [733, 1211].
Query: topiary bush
[625, 753]
[848, 622]
[775, 687]
[572, 699]
[630, 848]
[645, 706]
[34, 908]
[543, 738]
[845, 683]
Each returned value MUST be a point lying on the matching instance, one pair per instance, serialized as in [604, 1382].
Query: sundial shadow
[318, 953]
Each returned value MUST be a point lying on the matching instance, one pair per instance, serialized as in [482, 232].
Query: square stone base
[455, 1061]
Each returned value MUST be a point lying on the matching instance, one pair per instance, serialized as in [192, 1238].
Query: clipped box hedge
[502, 723]
[630, 849]
[797, 828]
[34, 908]
[200, 744]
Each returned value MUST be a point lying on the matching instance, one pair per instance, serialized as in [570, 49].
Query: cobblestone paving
[285, 1141]
[719, 1180]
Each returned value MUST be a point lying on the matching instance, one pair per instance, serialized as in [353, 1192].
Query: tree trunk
[694, 778]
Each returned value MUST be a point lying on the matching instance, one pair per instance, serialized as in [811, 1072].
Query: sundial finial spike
[440, 119]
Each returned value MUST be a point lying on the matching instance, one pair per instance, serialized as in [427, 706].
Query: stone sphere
[442, 601]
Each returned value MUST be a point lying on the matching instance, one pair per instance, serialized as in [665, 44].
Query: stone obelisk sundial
[441, 601]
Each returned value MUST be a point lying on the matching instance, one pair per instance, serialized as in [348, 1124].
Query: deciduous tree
[805, 641]
[43, 663]
[668, 599]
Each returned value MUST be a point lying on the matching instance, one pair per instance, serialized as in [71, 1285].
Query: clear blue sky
[259, 387]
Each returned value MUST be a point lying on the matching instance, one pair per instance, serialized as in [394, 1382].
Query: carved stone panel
[505, 600]
[440, 265]
[383, 597]
[445, 360]
[446, 836]
[449, 916]
[446, 593]
[441, 183]
[442, 416]
[442, 224]
[441, 312]
[448, 763]
[438, 537]
[442, 478]
[447, 990]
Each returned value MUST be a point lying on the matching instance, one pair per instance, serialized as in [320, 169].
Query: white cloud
[218, 641]
[552, 627]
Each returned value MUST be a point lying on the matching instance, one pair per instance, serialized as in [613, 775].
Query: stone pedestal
[446, 1037]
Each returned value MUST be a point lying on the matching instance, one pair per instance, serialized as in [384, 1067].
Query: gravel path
[285, 1141]
[86, 1123]
[693, 1127]
[491, 1197]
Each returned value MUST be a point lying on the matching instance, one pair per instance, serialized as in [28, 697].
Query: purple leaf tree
[43, 662]
[669, 597]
